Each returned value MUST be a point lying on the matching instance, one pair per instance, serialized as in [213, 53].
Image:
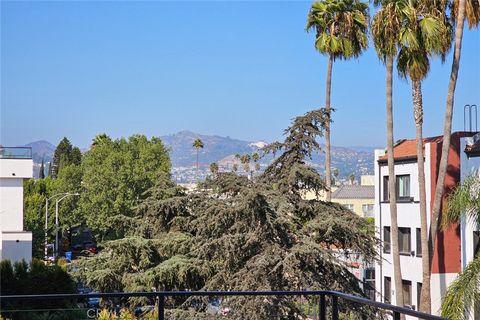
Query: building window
[404, 240]
[369, 283]
[402, 186]
[386, 239]
[419, 242]
[407, 293]
[419, 294]
[367, 210]
[387, 286]
[348, 206]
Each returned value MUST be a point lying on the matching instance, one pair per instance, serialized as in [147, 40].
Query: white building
[454, 247]
[16, 164]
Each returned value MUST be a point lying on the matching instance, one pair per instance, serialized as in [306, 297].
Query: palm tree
[464, 292]
[214, 168]
[197, 144]
[425, 32]
[462, 9]
[245, 160]
[341, 33]
[256, 158]
[385, 31]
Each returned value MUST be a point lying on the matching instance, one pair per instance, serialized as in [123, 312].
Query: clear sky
[238, 69]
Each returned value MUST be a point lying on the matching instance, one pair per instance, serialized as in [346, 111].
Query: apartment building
[454, 247]
[16, 164]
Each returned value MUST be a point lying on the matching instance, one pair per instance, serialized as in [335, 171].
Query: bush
[35, 278]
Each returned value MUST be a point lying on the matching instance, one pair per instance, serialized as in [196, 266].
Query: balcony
[15, 153]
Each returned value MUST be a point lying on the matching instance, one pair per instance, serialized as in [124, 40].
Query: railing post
[161, 307]
[322, 311]
[396, 315]
[334, 308]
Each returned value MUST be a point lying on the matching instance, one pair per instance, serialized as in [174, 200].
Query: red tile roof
[408, 148]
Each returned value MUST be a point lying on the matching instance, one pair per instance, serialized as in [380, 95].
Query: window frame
[387, 298]
[418, 235]
[408, 284]
[405, 198]
[387, 243]
[401, 250]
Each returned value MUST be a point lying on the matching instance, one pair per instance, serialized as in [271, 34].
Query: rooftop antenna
[470, 108]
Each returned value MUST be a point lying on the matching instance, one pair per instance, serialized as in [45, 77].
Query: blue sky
[238, 69]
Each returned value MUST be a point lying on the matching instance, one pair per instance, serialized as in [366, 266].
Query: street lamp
[46, 218]
[56, 219]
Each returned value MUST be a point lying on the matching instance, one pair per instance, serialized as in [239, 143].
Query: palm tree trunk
[328, 178]
[447, 129]
[197, 165]
[397, 272]
[418, 115]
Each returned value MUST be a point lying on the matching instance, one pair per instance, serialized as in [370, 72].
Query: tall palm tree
[197, 144]
[245, 160]
[214, 168]
[385, 30]
[341, 33]
[461, 10]
[464, 292]
[256, 158]
[425, 32]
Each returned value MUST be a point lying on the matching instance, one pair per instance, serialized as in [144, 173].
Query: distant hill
[356, 160]
[215, 148]
[41, 150]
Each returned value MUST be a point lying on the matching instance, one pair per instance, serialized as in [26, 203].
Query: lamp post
[56, 219]
[46, 218]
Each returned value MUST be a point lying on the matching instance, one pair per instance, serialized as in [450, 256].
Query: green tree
[116, 175]
[237, 234]
[214, 168]
[385, 30]
[36, 278]
[41, 172]
[245, 160]
[425, 32]
[341, 33]
[462, 9]
[464, 292]
[198, 144]
[64, 155]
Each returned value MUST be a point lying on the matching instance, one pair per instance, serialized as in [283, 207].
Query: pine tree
[41, 173]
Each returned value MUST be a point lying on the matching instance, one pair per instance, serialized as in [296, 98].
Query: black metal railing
[161, 296]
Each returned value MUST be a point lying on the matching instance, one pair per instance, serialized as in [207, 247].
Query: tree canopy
[233, 233]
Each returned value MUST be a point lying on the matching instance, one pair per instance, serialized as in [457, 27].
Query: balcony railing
[15, 153]
[321, 296]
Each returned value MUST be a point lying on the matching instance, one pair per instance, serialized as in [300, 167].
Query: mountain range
[348, 160]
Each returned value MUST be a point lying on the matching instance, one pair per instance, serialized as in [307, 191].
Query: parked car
[90, 247]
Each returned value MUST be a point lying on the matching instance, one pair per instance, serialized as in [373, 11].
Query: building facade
[16, 164]
[451, 243]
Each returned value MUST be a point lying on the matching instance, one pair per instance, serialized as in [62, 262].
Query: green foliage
[35, 278]
[341, 27]
[233, 233]
[464, 292]
[116, 175]
[65, 154]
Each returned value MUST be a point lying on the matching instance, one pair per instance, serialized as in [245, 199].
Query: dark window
[404, 240]
[387, 285]
[402, 186]
[386, 239]
[419, 293]
[407, 292]
[419, 242]
[370, 283]
[385, 188]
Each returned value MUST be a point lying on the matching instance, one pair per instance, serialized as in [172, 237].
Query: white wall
[11, 204]
[16, 246]
[16, 168]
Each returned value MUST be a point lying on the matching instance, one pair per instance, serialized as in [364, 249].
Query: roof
[405, 149]
[354, 192]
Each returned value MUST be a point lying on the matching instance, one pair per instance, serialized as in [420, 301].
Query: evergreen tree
[237, 234]
[41, 173]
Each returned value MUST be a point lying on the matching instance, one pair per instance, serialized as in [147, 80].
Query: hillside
[356, 160]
